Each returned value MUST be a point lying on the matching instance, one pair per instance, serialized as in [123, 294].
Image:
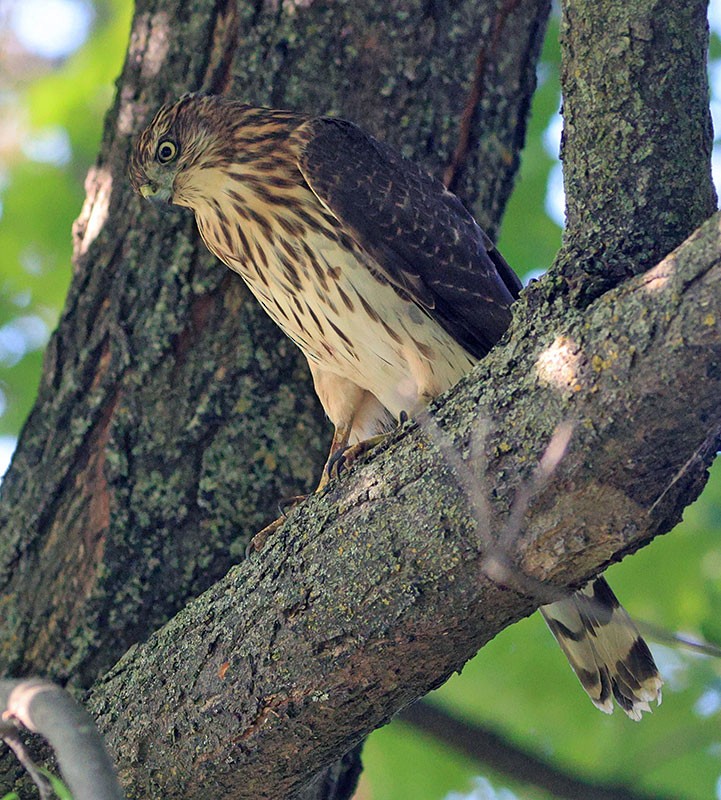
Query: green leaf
[60, 789]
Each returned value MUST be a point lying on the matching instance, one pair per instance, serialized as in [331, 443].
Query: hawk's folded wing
[419, 234]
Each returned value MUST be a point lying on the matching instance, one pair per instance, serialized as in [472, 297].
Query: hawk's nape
[381, 277]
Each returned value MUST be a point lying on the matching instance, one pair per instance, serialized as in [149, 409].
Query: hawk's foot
[289, 503]
[345, 456]
[257, 543]
[342, 456]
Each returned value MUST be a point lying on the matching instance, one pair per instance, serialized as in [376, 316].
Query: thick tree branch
[381, 579]
[173, 414]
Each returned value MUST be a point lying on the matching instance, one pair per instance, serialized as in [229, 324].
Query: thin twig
[547, 465]
[682, 640]
[497, 562]
[467, 481]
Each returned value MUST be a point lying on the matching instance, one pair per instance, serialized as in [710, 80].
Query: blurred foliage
[529, 237]
[59, 788]
[520, 683]
[40, 200]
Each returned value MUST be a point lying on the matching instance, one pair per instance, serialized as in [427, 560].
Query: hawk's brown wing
[420, 234]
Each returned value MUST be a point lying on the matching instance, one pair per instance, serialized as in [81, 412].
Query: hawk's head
[185, 138]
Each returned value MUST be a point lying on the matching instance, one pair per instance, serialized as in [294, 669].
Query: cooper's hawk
[384, 281]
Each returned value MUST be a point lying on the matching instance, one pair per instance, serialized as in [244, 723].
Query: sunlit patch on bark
[560, 364]
[98, 189]
[657, 277]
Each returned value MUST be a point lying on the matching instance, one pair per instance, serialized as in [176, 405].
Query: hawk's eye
[166, 151]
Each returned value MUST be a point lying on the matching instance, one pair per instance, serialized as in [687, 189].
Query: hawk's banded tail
[605, 649]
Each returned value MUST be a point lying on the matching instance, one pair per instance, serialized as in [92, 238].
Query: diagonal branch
[493, 751]
[373, 592]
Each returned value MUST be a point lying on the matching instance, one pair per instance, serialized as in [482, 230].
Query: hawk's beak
[148, 190]
[155, 193]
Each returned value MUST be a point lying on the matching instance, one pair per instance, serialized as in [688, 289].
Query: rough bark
[376, 591]
[637, 141]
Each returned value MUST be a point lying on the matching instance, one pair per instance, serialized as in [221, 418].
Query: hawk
[384, 281]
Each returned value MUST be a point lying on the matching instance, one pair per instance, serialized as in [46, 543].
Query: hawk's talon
[287, 504]
[336, 462]
[257, 543]
[344, 457]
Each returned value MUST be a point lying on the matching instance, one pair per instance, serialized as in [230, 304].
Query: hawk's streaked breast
[324, 290]
[258, 213]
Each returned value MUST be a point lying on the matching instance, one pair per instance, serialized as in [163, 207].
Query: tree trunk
[172, 415]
